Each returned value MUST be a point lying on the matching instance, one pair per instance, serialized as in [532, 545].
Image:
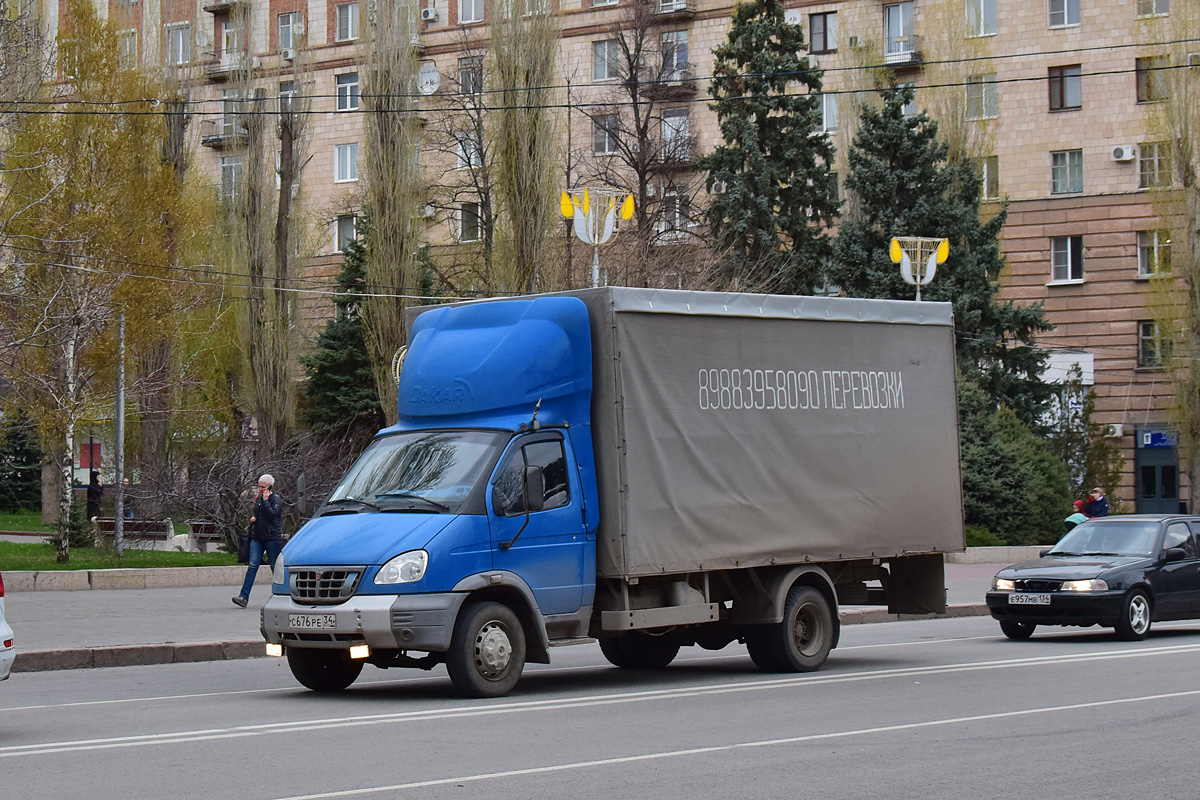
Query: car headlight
[277, 571]
[1089, 585]
[1003, 584]
[404, 568]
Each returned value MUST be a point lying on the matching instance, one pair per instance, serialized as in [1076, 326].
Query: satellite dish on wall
[298, 28]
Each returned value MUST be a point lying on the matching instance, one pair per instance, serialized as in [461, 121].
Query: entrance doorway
[1156, 467]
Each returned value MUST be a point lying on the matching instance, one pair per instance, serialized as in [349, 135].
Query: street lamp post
[595, 223]
[918, 257]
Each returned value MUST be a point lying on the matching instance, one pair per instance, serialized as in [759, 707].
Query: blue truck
[649, 469]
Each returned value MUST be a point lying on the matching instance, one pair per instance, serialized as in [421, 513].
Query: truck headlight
[404, 568]
[277, 577]
[1003, 584]
[1090, 585]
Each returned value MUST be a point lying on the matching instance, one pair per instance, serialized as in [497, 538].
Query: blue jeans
[272, 547]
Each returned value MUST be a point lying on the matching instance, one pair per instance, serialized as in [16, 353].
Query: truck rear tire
[323, 670]
[638, 650]
[802, 641]
[487, 651]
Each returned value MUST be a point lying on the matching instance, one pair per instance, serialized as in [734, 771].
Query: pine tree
[769, 225]
[905, 186]
[340, 394]
[1079, 442]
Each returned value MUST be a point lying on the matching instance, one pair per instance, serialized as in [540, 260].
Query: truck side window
[549, 455]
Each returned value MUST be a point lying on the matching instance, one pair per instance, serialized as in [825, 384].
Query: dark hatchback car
[1123, 572]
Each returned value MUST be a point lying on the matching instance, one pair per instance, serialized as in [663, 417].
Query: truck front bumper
[422, 622]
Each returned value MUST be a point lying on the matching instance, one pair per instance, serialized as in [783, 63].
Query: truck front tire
[323, 670]
[802, 641]
[638, 650]
[487, 651]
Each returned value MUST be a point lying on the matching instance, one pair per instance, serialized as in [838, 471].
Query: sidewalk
[125, 627]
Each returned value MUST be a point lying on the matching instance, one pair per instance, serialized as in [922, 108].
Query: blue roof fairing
[488, 364]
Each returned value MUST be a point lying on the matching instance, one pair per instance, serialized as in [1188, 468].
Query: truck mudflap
[421, 622]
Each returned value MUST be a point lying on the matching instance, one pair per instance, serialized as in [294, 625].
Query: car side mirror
[1044, 553]
[1174, 554]
[533, 488]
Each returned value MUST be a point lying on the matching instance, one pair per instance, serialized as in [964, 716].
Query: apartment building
[1058, 99]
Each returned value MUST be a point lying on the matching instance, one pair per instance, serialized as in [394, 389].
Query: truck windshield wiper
[342, 500]
[413, 496]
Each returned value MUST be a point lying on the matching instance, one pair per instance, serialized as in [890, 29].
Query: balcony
[903, 52]
[221, 66]
[674, 84]
[220, 134]
[674, 9]
[221, 6]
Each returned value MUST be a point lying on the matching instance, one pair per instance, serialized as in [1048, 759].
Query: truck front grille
[323, 585]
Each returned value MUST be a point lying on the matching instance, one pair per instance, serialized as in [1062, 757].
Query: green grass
[41, 556]
[24, 521]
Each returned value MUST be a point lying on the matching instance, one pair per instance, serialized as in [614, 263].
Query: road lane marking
[693, 751]
[556, 704]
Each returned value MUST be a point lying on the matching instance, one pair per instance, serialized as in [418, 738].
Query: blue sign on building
[1159, 439]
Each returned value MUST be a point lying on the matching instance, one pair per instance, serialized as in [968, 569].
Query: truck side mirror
[533, 488]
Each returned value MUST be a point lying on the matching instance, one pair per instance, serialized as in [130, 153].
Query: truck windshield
[425, 470]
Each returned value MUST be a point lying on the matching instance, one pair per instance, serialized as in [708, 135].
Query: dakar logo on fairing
[457, 392]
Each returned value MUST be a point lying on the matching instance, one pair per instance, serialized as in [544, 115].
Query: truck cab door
[548, 553]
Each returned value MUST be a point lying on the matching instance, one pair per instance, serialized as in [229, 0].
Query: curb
[138, 655]
[148, 578]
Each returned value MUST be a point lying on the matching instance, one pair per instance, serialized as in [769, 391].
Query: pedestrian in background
[95, 495]
[266, 535]
[1098, 504]
[127, 500]
[1077, 516]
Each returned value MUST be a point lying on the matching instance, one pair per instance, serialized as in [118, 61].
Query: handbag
[243, 555]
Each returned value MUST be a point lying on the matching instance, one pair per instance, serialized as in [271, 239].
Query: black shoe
[240, 601]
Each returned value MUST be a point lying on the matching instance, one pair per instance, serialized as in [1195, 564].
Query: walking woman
[266, 535]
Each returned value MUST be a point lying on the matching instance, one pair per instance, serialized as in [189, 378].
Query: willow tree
[526, 141]
[392, 133]
[89, 212]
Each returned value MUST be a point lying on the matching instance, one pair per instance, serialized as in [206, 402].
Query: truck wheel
[1016, 630]
[638, 650]
[323, 670]
[1134, 622]
[487, 651]
[802, 641]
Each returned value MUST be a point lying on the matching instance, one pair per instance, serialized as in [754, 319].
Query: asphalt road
[942, 708]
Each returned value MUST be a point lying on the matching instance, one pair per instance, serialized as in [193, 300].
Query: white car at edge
[7, 651]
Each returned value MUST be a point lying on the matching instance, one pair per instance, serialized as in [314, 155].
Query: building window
[1153, 349]
[989, 177]
[605, 58]
[231, 177]
[287, 97]
[1066, 259]
[604, 134]
[470, 11]
[469, 229]
[835, 192]
[1066, 172]
[822, 32]
[347, 91]
[898, 32]
[230, 37]
[673, 218]
[981, 17]
[1152, 78]
[346, 15]
[179, 43]
[1154, 252]
[1063, 13]
[983, 100]
[288, 29]
[470, 75]
[230, 108]
[127, 49]
[674, 48]
[909, 109]
[1066, 88]
[829, 112]
[470, 152]
[1153, 8]
[347, 226]
[676, 135]
[1154, 165]
[345, 159]
[598, 3]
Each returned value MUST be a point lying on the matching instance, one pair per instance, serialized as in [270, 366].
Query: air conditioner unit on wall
[1124, 152]
[1193, 59]
[1114, 431]
[853, 41]
[288, 53]
[429, 14]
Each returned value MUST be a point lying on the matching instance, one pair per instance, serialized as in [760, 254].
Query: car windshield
[1108, 538]
[425, 470]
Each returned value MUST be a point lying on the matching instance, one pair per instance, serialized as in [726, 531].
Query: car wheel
[1134, 623]
[801, 642]
[323, 670]
[487, 651]
[638, 650]
[1017, 631]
